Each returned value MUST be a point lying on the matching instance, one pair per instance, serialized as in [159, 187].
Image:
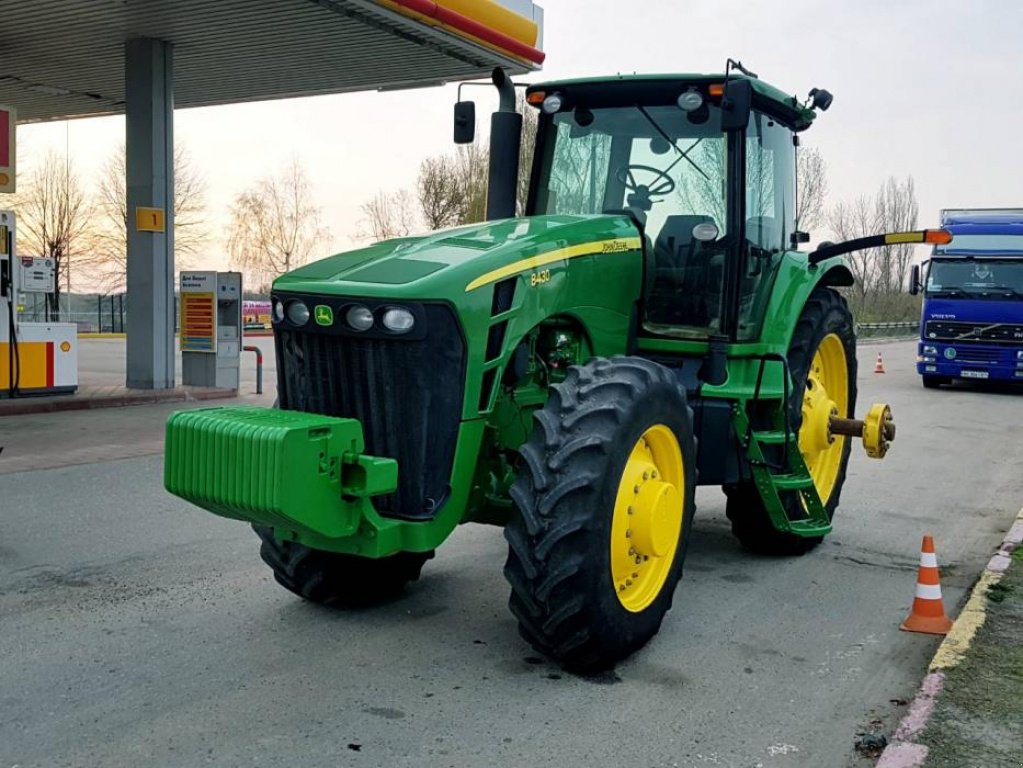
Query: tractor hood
[450, 262]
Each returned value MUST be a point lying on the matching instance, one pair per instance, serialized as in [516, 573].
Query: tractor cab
[704, 164]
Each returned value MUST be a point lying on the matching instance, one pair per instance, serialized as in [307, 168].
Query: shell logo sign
[8, 119]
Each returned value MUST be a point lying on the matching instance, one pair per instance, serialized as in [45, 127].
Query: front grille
[406, 394]
[992, 333]
[968, 355]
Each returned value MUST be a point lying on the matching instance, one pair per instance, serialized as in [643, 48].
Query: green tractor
[572, 374]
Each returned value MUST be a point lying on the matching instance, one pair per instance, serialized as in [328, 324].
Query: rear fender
[793, 285]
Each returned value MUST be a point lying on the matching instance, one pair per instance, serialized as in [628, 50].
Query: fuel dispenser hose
[13, 353]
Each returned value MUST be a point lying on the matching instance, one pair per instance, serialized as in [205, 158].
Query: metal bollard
[259, 367]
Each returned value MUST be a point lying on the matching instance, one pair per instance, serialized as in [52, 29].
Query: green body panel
[599, 298]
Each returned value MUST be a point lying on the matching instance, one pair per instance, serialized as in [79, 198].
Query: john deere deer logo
[324, 315]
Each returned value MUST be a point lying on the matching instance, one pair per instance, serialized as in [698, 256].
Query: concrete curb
[904, 751]
[28, 405]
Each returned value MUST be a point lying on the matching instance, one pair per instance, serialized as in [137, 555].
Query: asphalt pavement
[137, 630]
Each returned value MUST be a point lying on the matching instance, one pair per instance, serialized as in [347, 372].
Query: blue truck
[971, 323]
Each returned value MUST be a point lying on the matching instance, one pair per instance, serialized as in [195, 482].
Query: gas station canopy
[66, 58]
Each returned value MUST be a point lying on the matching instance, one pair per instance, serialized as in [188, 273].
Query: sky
[928, 88]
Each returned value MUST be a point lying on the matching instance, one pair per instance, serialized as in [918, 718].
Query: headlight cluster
[298, 312]
[929, 350]
[357, 317]
[393, 319]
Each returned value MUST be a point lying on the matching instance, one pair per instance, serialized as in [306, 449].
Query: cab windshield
[668, 168]
[654, 160]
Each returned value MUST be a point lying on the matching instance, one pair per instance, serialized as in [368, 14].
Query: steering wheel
[662, 183]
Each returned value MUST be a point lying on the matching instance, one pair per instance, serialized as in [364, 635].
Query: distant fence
[903, 329]
[97, 313]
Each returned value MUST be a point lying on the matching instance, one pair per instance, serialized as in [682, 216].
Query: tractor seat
[675, 246]
[681, 270]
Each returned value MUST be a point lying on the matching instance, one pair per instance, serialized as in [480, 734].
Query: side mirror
[465, 122]
[821, 99]
[736, 105]
[798, 238]
[914, 280]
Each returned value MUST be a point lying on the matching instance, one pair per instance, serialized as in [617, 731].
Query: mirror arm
[917, 237]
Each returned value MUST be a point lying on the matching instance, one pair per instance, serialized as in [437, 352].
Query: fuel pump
[35, 358]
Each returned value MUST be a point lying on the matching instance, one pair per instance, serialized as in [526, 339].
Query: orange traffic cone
[879, 367]
[928, 613]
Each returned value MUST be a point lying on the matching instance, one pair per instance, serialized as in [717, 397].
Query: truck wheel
[335, 579]
[933, 382]
[822, 360]
[604, 508]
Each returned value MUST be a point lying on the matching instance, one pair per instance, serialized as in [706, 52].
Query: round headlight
[298, 312]
[398, 320]
[360, 318]
[278, 311]
[552, 103]
[690, 101]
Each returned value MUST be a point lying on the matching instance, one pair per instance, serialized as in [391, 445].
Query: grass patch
[978, 721]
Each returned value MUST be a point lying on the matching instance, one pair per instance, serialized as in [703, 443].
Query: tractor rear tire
[336, 579]
[571, 541]
[825, 312]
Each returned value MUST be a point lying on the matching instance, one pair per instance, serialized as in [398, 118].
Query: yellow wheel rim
[647, 518]
[827, 394]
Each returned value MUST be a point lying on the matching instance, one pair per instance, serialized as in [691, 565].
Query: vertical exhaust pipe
[505, 142]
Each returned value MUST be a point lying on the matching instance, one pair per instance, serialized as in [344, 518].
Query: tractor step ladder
[773, 480]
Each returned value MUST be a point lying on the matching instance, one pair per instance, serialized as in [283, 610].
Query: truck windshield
[976, 278]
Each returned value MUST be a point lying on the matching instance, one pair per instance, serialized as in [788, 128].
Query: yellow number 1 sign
[150, 220]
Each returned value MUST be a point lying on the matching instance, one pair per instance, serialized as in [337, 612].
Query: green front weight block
[288, 469]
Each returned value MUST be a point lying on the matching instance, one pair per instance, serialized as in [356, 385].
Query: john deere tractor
[572, 374]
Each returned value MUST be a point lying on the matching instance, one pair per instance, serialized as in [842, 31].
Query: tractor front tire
[825, 314]
[336, 579]
[604, 504]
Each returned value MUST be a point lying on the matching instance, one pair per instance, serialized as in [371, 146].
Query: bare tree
[275, 226]
[880, 273]
[55, 217]
[388, 215]
[473, 164]
[108, 259]
[451, 189]
[854, 220]
[897, 211]
[438, 193]
[812, 186]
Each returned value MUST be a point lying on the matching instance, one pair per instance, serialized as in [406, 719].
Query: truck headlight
[1019, 355]
[398, 320]
[929, 350]
[298, 312]
[359, 317]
